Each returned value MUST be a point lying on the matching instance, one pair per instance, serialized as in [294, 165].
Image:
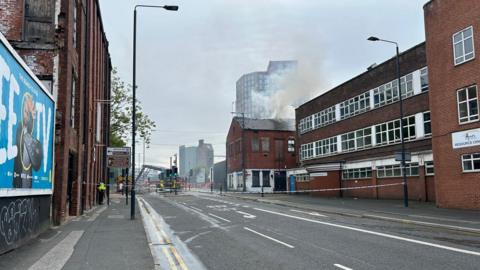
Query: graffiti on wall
[18, 219]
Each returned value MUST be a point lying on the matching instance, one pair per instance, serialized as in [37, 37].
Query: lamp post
[402, 137]
[134, 90]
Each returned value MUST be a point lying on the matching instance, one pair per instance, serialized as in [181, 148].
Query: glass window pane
[463, 109]
[457, 37]
[472, 92]
[467, 33]
[468, 43]
[458, 50]
[473, 107]
[476, 164]
[467, 165]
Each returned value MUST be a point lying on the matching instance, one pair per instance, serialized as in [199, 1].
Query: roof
[267, 124]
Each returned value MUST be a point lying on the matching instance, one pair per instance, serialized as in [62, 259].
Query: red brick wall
[11, 19]
[443, 18]
[260, 159]
[332, 180]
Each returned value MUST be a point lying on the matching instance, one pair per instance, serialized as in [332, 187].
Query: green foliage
[121, 114]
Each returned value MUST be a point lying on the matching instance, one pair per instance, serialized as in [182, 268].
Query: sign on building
[467, 138]
[118, 157]
[27, 113]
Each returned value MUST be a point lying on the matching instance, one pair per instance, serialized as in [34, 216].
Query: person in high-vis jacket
[101, 192]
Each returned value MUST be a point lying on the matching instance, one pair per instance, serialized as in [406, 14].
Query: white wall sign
[466, 138]
[319, 174]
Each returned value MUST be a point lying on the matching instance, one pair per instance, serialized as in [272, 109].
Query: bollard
[262, 192]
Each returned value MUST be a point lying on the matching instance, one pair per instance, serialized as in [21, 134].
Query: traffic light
[168, 172]
[174, 170]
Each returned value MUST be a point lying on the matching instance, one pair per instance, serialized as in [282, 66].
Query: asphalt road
[230, 233]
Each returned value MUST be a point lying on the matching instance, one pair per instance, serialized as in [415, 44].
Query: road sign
[118, 157]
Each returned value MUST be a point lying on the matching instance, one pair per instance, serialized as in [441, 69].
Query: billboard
[27, 125]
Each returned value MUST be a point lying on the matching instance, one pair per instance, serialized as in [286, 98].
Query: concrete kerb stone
[369, 216]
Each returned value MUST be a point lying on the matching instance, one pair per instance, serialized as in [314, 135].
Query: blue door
[292, 183]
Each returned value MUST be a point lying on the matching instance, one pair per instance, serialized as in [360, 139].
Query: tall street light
[134, 89]
[405, 184]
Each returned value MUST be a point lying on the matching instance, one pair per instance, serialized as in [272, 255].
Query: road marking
[179, 259]
[342, 267]
[308, 213]
[195, 208]
[224, 219]
[374, 233]
[268, 237]
[56, 258]
[196, 236]
[97, 213]
[166, 252]
[246, 215]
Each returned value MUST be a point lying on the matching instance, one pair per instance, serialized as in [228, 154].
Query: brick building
[259, 152]
[348, 136]
[64, 44]
[452, 36]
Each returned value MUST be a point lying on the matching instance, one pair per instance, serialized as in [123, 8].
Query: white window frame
[353, 106]
[429, 165]
[424, 73]
[470, 158]
[467, 101]
[427, 121]
[462, 40]
[357, 173]
[397, 168]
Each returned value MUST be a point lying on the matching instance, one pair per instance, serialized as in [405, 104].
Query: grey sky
[188, 61]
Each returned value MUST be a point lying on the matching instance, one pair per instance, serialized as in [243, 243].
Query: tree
[121, 114]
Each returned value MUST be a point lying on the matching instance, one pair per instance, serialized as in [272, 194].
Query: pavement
[105, 238]
[419, 213]
[225, 232]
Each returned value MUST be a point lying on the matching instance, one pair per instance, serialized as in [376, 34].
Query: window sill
[464, 62]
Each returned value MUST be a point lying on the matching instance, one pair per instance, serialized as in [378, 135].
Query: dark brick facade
[411, 60]
[61, 64]
[444, 18]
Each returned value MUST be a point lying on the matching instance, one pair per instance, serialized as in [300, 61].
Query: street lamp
[402, 138]
[134, 90]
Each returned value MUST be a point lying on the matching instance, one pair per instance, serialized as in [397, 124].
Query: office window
[265, 144]
[326, 146]
[266, 178]
[324, 117]
[291, 145]
[409, 128]
[396, 170]
[302, 177]
[363, 138]
[255, 178]
[467, 99]
[385, 94]
[471, 162]
[406, 85]
[255, 144]
[358, 173]
[429, 169]
[348, 141]
[424, 79]
[463, 47]
[307, 151]
[389, 132]
[355, 105]
[427, 124]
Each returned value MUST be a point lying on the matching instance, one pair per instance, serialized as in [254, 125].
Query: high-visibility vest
[101, 187]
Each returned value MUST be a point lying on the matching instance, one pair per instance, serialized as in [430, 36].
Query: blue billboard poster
[27, 125]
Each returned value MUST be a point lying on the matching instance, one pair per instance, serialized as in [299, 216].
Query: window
[359, 173]
[429, 169]
[385, 94]
[348, 141]
[357, 140]
[73, 101]
[74, 32]
[354, 106]
[266, 178]
[307, 151]
[302, 177]
[255, 178]
[427, 125]
[305, 124]
[396, 170]
[406, 85]
[389, 132]
[424, 79]
[471, 162]
[326, 146]
[467, 104]
[291, 145]
[39, 21]
[324, 117]
[463, 48]
[409, 128]
[265, 144]
[255, 144]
